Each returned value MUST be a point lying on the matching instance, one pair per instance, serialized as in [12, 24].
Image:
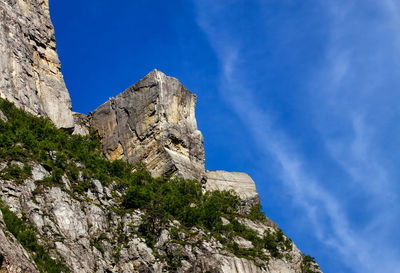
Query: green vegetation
[97, 242]
[26, 235]
[307, 264]
[165, 199]
[256, 213]
[15, 172]
[26, 138]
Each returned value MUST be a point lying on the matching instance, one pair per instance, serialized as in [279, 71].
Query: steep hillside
[65, 207]
[125, 188]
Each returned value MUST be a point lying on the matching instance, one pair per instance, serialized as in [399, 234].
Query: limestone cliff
[153, 121]
[29, 64]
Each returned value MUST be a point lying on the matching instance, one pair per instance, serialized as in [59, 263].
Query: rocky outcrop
[240, 183]
[82, 126]
[13, 257]
[89, 235]
[29, 64]
[154, 122]
[80, 221]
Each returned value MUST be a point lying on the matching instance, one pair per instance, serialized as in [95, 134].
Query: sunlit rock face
[154, 122]
[29, 64]
[240, 183]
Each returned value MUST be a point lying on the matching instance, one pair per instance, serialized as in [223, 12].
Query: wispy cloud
[348, 90]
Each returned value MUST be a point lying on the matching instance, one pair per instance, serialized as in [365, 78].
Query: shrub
[16, 173]
[256, 213]
[26, 235]
[28, 138]
[307, 264]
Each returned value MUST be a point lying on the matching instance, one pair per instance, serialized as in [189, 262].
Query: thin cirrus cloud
[352, 96]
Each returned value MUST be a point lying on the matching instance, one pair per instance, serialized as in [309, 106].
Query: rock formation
[241, 183]
[78, 219]
[13, 257]
[29, 65]
[86, 233]
[153, 121]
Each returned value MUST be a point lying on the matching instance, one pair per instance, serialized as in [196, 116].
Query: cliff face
[29, 64]
[85, 232]
[153, 121]
[81, 221]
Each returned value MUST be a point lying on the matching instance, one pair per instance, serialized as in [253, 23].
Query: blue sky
[302, 95]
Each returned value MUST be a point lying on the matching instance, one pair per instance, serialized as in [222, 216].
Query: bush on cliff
[178, 199]
[27, 138]
[26, 235]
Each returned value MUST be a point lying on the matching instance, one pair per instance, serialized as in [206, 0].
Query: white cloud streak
[358, 248]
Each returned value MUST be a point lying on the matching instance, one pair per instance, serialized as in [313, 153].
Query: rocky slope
[29, 64]
[75, 205]
[89, 236]
[65, 208]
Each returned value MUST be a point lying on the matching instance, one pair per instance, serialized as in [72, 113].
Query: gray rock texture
[240, 183]
[154, 122]
[90, 236]
[29, 64]
[13, 257]
[82, 125]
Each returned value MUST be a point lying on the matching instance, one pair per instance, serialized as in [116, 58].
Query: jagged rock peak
[29, 64]
[153, 121]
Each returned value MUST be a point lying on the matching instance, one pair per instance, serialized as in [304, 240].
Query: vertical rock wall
[153, 121]
[29, 64]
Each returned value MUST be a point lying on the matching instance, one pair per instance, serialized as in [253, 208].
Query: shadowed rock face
[153, 121]
[29, 64]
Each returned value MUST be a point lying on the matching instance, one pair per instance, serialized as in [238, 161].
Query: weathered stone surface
[240, 183]
[13, 257]
[82, 125]
[29, 64]
[153, 121]
[72, 227]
